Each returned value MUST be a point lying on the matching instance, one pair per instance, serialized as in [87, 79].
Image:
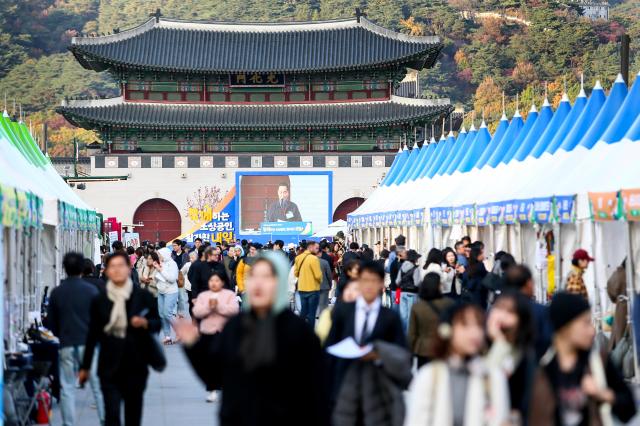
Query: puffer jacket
[167, 278]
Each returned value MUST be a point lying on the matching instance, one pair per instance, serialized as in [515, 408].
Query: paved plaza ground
[175, 397]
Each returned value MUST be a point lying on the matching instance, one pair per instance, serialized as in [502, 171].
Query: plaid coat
[575, 282]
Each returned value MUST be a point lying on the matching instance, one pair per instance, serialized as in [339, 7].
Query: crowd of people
[322, 334]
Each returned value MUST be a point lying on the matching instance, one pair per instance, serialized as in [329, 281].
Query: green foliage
[40, 84]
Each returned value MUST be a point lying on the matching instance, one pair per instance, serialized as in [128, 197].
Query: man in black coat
[125, 338]
[68, 319]
[365, 320]
[352, 254]
[212, 263]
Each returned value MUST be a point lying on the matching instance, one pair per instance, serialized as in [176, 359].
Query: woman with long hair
[434, 264]
[457, 387]
[473, 289]
[262, 353]
[510, 328]
[452, 283]
[423, 321]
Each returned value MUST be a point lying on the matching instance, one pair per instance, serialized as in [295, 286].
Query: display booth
[41, 219]
[537, 188]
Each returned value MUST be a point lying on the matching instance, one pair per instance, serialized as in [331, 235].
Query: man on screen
[283, 210]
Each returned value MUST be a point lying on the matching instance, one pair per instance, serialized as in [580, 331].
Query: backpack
[406, 281]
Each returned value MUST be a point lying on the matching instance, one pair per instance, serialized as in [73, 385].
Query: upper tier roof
[119, 113]
[292, 47]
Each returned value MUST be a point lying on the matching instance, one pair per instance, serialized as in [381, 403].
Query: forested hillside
[486, 50]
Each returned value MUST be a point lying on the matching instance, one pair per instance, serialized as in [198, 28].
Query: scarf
[117, 325]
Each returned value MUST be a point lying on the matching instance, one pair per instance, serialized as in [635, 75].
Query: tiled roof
[199, 47]
[116, 112]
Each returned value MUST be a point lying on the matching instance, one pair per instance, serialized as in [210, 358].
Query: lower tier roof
[115, 112]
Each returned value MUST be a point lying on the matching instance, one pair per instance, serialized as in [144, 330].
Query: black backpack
[406, 281]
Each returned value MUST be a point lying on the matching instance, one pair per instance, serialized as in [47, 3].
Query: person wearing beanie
[575, 384]
[575, 281]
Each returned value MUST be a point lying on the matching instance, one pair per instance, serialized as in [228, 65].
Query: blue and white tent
[561, 157]
[501, 131]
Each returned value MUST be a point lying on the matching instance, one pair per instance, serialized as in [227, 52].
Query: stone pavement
[175, 397]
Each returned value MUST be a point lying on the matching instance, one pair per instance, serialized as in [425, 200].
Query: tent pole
[631, 293]
[558, 254]
[520, 241]
[595, 280]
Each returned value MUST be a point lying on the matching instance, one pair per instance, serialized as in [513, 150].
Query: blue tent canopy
[398, 162]
[406, 167]
[623, 120]
[476, 149]
[394, 164]
[444, 152]
[569, 122]
[461, 150]
[425, 153]
[611, 106]
[453, 150]
[591, 110]
[513, 131]
[495, 142]
[433, 156]
[532, 117]
[564, 108]
[544, 117]
[634, 131]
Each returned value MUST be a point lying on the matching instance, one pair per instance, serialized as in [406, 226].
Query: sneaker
[213, 396]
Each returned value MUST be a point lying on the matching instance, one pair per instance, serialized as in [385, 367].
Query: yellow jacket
[242, 271]
[310, 275]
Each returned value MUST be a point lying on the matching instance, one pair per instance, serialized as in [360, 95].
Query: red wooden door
[346, 207]
[160, 218]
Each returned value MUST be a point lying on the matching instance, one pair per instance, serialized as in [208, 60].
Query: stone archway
[161, 220]
[346, 207]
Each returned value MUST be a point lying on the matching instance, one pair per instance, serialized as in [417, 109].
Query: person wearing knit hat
[574, 385]
[575, 281]
[565, 307]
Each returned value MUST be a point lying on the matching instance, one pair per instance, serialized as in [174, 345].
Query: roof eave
[90, 123]
[420, 60]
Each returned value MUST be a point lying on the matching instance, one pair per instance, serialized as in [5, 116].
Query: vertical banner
[510, 212]
[469, 214]
[525, 210]
[434, 213]
[458, 215]
[604, 205]
[631, 204]
[542, 209]
[482, 215]
[564, 211]
[447, 216]
[496, 213]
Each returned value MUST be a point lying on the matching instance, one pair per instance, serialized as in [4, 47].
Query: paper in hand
[349, 349]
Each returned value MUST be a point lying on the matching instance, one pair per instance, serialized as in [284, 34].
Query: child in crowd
[214, 307]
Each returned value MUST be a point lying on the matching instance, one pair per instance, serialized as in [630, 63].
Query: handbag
[180, 279]
[622, 347]
[155, 356]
